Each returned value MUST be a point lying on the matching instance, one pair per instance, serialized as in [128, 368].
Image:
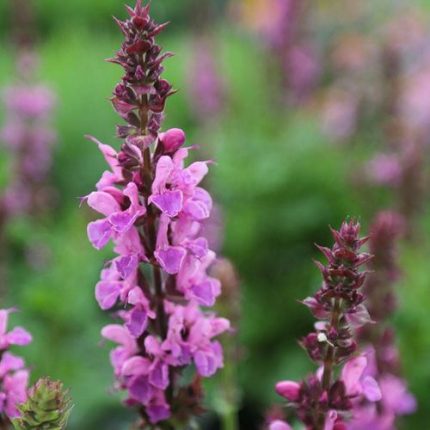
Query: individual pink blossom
[394, 399]
[357, 383]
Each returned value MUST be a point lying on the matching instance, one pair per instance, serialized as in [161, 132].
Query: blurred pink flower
[339, 114]
[385, 169]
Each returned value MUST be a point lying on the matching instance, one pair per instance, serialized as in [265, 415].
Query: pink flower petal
[279, 425]
[170, 202]
[99, 233]
[103, 203]
[107, 293]
[137, 321]
[171, 258]
[371, 389]
[352, 372]
[18, 336]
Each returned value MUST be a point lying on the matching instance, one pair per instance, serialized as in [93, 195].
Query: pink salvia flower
[152, 209]
[324, 401]
[14, 376]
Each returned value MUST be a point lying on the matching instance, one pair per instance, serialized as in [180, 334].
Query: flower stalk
[325, 400]
[153, 209]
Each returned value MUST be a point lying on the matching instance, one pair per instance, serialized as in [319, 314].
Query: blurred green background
[279, 180]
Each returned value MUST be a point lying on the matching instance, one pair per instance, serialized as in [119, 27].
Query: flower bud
[172, 139]
[288, 389]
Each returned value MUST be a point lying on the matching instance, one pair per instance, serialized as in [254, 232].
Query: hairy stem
[329, 360]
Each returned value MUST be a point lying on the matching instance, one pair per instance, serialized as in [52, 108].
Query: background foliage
[279, 181]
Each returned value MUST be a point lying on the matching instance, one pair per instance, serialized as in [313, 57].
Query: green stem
[229, 413]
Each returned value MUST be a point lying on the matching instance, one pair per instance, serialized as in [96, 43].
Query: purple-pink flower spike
[14, 375]
[29, 137]
[324, 400]
[383, 356]
[206, 84]
[152, 209]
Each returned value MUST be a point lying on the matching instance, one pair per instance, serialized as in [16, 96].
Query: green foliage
[279, 182]
[47, 408]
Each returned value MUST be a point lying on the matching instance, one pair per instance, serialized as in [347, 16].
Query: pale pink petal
[196, 210]
[99, 233]
[10, 362]
[122, 221]
[164, 169]
[196, 172]
[371, 389]
[107, 293]
[103, 203]
[360, 317]
[18, 336]
[279, 425]
[136, 366]
[352, 372]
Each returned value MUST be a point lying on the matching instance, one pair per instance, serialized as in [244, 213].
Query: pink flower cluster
[29, 137]
[14, 376]
[355, 385]
[395, 400]
[153, 208]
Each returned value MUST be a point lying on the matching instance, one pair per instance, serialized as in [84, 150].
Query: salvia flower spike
[152, 210]
[324, 401]
[47, 408]
[379, 339]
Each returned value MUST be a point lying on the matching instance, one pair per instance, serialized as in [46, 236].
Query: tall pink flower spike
[152, 208]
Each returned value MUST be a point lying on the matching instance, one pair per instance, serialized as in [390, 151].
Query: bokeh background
[290, 160]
